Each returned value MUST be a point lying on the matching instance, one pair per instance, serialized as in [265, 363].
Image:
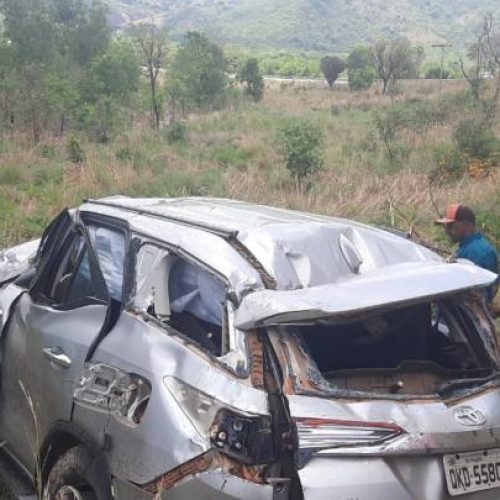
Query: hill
[314, 25]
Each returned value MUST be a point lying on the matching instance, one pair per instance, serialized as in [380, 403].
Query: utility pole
[441, 46]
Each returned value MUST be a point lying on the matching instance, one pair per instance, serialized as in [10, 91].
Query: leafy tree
[301, 147]
[360, 57]
[81, 29]
[7, 83]
[101, 119]
[394, 60]
[491, 32]
[29, 29]
[332, 66]
[249, 74]
[198, 72]
[360, 71]
[61, 98]
[114, 73]
[51, 44]
[152, 42]
[484, 55]
[389, 123]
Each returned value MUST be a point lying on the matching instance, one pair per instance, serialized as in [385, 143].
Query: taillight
[247, 438]
[318, 434]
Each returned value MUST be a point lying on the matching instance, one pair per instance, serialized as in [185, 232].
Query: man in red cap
[460, 226]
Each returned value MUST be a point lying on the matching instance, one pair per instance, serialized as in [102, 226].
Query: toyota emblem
[467, 415]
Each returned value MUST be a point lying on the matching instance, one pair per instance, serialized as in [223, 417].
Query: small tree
[114, 73]
[485, 57]
[389, 124]
[394, 60]
[198, 72]
[301, 147]
[102, 119]
[7, 83]
[360, 70]
[492, 38]
[152, 42]
[249, 74]
[331, 67]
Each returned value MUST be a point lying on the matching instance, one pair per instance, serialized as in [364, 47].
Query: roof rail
[224, 233]
[230, 236]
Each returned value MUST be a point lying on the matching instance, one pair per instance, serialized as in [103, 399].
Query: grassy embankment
[234, 154]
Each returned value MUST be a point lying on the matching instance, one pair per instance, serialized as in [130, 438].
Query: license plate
[468, 472]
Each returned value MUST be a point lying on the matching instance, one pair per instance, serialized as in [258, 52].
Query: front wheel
[77, 476]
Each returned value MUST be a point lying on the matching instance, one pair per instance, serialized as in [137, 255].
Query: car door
[48, 339]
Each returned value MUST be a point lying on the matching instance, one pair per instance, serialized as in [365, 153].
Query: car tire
[78, 476]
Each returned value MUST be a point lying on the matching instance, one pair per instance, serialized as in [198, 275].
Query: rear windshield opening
[413, 349]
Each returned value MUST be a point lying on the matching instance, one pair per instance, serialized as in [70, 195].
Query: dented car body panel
[219, 349]
[391, 286]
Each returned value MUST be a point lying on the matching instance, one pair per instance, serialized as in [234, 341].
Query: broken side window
[184, 296]
[197, 304]
[75, 279]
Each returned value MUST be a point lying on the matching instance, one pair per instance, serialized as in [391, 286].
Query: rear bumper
[211, 485]
[379, 478]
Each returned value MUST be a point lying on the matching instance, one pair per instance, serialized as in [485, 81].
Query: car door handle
[57, 356]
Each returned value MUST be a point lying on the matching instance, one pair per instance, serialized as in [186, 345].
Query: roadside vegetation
[86, 114]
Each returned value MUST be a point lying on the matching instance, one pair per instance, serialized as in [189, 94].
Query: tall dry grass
[234, 154]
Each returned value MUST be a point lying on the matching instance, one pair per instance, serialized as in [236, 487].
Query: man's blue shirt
[479, 250]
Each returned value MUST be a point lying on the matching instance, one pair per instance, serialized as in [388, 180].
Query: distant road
[321, 82]
[292, 81]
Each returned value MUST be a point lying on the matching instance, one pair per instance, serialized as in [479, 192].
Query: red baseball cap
[458, 213]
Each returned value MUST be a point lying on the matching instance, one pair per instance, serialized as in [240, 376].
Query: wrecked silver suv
[199, 348]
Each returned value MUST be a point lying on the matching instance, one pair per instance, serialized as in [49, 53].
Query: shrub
[251, 76]
[361, 78]
[389, 123]
[176, 133]
[101, 120]
[47, 151]
[301, 147]
[449, 163]
[474, 137]
[74, 151]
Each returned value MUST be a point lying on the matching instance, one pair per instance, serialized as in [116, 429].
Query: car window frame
[53, 263]
[51, 240]
[179, 253]
[114, 224]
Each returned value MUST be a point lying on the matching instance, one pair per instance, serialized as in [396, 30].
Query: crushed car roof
[256, 247]
[297, 250]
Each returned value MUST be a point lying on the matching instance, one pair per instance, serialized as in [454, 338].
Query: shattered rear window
[413, 349]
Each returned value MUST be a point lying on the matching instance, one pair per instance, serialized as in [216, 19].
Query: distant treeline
[61, 68]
